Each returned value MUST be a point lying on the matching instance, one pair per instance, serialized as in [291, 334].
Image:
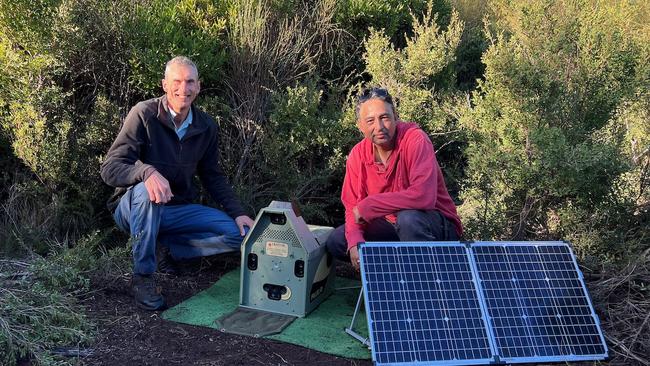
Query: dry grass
[622, 299]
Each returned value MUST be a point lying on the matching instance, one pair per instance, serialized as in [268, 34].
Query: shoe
[146, 293]
[166, 264]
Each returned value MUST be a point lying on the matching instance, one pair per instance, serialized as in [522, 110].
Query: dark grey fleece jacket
[148, 142]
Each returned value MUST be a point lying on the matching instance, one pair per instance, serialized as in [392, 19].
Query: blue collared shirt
[180, 131]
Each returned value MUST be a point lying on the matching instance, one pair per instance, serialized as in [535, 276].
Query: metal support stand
[350, 330]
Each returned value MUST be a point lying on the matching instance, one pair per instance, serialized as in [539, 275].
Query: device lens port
[274, 292]
[299, 268]
[252, 261]
[278, 218]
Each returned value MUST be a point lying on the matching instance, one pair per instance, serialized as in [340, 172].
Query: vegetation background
[539, 111]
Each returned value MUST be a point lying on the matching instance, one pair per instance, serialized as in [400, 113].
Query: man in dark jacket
[163, 143]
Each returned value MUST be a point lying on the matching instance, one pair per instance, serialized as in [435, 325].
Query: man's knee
[416, 225]
[227, 234]
[412, 220]
[336, 243]
[135, 208]
[233, 239]
[231, 234]
[139, 194]
[136, 198]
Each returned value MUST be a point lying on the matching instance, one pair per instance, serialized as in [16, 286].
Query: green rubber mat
[322, 330]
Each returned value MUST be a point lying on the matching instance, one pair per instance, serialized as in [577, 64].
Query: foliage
[25, 221]
[39, 310]
[29, 23]
[473, 43]
[414, 73]
[303, 150]
[158, 30]
[33, 320]
[393, 16]
[269, 51]
[541, 161]
[421, 78]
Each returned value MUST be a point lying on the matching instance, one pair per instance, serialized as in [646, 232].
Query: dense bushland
[553, 132]
[538, 110]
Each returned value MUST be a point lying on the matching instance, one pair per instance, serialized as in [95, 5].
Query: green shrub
[39, 308]
[543, 162]
[270, 51]
[302, 150]
[473, 43]
[157, 30]
[35, 320]
[412, 72]
[393, 16]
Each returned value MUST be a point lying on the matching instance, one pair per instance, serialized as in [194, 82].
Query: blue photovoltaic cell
[537, 303]
[422, 304]
[477, 303]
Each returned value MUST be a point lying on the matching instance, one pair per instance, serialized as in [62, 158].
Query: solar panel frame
[377, 355]
[471, 252]
[584, 293]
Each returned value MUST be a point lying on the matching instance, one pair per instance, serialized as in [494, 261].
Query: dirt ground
[130, 336]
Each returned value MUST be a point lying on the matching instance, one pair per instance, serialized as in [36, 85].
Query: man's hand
[354, 258]
[158, 188]
[357, 216]
[242, 221]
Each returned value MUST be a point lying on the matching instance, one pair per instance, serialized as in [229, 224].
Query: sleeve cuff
[364, 210]
[147, 170]
[352, 242]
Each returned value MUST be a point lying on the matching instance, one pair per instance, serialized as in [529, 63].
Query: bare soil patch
[130, 336]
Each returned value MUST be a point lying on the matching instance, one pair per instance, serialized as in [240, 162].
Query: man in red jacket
[393, 188]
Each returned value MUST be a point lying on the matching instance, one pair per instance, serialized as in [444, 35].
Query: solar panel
[443, 303]
[537, 303]
[422, 304]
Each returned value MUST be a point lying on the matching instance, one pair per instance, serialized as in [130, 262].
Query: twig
[72, 352]
[283, 360]
[639, 331]
[627, 351]
[15, 262]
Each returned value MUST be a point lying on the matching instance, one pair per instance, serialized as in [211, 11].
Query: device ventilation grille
[286, 236]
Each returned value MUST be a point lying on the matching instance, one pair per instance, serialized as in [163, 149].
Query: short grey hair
[180, 60]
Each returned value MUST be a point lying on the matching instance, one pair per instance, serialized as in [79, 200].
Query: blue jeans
[187, 230]
[411, 225]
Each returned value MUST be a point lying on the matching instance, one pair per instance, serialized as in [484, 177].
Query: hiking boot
[166, 264]
[146, 293]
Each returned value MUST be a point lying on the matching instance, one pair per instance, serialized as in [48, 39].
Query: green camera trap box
[285, 267]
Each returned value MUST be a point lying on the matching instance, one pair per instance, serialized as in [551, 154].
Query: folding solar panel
[537, 303]
[452, 303]
[422, 304]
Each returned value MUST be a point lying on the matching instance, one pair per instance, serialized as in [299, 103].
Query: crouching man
[162, 145]
[393, 188]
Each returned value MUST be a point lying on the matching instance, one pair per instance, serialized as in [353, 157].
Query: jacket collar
[199, 122]
[401, 130]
